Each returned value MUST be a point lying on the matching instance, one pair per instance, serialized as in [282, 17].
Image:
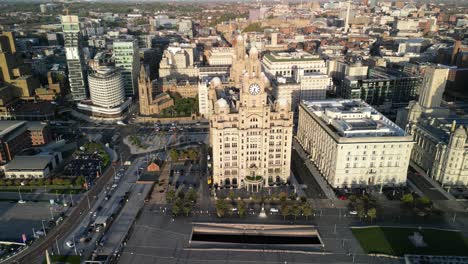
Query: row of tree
[78, 181]
[262, 197]
[181, 201]
[294, 209]
[190, 154]
[364, 205]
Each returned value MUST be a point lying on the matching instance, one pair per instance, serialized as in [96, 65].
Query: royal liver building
[250, 134]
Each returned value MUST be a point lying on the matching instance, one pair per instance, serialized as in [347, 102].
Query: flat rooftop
[298, 55]
[353, 118]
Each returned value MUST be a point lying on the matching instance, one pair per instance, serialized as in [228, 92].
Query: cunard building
[250, 134]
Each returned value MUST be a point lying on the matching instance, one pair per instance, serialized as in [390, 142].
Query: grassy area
[92, 147]
[395, 241]
[65, 259]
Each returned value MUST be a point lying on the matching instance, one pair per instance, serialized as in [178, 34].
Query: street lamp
[43, 228]
[19, 193]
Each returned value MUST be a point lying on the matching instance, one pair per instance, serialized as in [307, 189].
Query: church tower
[145, 92]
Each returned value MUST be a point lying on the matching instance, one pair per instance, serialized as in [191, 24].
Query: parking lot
[17, 219]
[84, 165]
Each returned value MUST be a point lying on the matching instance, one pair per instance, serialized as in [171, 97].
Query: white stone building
[282, 63]
[178, 60]
[220, 56]
[302, 86]
[250, 135]
[352, 144]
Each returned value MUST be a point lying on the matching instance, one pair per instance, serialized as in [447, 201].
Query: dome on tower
[222, 103]
[282, 102]
[253, 51]
[215, 82]
[460, 131]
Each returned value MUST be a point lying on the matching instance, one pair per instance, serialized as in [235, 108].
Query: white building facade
[283, 63]
[352, 144]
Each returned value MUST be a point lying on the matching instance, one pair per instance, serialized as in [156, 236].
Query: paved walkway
[314, 171]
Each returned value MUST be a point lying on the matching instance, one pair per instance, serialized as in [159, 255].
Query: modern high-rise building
[127, 59]
[75, 60]
[14, 72]
[250, 135]
[385, 89]
[106, 87]
[107, 94]
[352, 144]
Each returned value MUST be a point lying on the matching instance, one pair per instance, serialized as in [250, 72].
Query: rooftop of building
[284, 56]
[11, 128]
[353, 118]
[38, 162]
[441, 128]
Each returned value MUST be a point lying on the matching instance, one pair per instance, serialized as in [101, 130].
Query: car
[40, 233]
[70, 244]
[21, 201]
[353, 212]
[273, 210]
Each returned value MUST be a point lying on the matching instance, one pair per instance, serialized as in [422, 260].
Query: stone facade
[352, 144]
[148, 104]
[250, 135]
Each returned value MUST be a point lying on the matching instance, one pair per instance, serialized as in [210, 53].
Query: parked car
[70, 244]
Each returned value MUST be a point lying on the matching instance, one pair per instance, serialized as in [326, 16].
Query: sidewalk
[431, 181]
[314, 171]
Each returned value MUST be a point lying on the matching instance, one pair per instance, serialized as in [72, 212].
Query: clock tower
[253, 92]
[250, 135]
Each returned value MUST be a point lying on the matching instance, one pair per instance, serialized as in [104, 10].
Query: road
[35, 253]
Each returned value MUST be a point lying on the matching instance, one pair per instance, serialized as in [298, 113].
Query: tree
[283, 196]
[230, 210]
[79, 181]
[67, 182]
[187, 207]
[307, 210]
[423, 202]
[241, 208]
[170, 196]
[2, 182]
[407, 199]
[285, 210]
[361, 211]
[221, 207]
[8, 182]
[232, 195]
[57, 181]
[296, 211]
[372, 214]
[177, 206]
[40, 182]
[174, 154]
[192, 195]
[175, 209]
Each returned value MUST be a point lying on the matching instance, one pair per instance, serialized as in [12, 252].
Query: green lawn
[394, 241]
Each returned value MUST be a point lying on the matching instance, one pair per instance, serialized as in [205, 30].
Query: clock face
[254, 89]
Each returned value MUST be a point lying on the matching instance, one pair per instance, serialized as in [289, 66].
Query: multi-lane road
[35, 253]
